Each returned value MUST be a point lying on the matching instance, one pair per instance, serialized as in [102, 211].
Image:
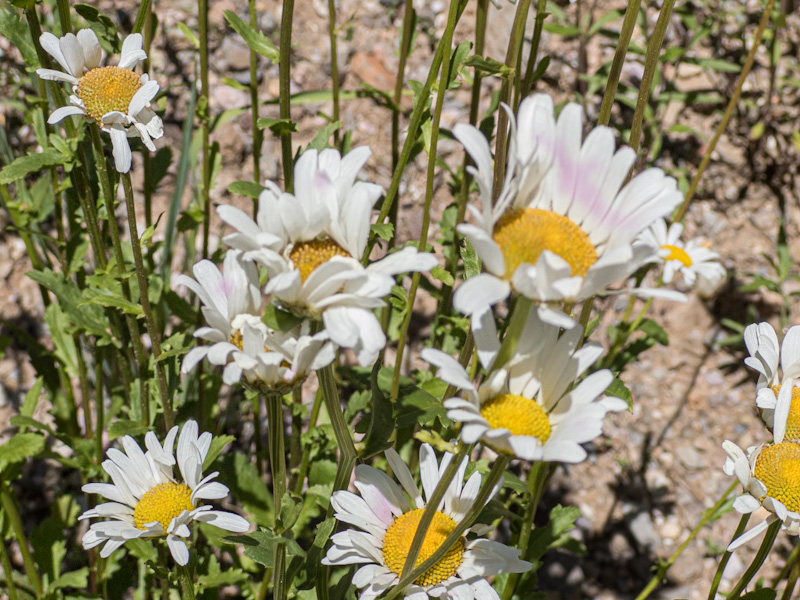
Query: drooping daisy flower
[147, 501]
[777, 397]
[561, 228]
[116, 97]
[311, 243]
[770, 475]
[692, 259]
[529, 408]
[388, 522]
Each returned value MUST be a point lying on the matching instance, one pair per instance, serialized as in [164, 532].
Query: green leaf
[74, 579]
[654, 331]
[189, 35]
[382, 420]
[103, 26]
[278, 319]
[260, 546]
[246, 483]
[320, 141]
[717, 64]
[619, 390]
[32, 398]
[442, 275]
[385, 231]
[761, 594]
[109, 299]
[126, 427]
[15, 29]
[251, 189]
[472, 264]
[217, 444]
[30, 163]
[555, 534]
[19, 448]
[487, 65]
[257, 41]
[277, 126]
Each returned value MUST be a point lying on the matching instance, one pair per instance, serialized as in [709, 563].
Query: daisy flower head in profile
[563, 226]
[778, 398]
[691, 260]
[529, 408]
[114, 96]
[311, 243]
[386, 520]
[147, 501]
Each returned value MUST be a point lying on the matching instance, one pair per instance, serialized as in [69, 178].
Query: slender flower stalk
[650, 66]
[723, 561]
[204, 113]
[149, 317]
[347, 450]
[15, 522]
[284, 74]
[187, 582]
[333, 35]
[405, 47]
[794, 563]
[758, 560]
[628, 23]
[527, 83]
[277, 461]
[258, 134]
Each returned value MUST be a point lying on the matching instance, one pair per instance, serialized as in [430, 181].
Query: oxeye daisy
[562, 228]
[529, 408]
[691, 260]
[311, 243]
[388, 520]
[147, 501]
[770, 475]
[778, 398]
[114, 96]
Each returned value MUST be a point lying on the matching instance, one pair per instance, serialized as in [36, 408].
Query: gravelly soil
[658, 468]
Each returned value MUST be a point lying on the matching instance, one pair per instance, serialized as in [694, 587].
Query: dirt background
[651, 477]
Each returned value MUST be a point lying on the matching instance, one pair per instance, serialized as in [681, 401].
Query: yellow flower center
[778, 468]
[793, 422]
[106, 89]
[237, 340]
[679, 254]
[398, 538]
[520, 415]
[307, 256]
[162, 503]
[522, 235]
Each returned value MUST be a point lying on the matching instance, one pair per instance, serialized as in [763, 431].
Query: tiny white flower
[147, 501]
[562, 228]
[777, 396]
[311, 243]
[529, 408]
[692, 259]
[116, 97]
[770, 475]
[388, 520]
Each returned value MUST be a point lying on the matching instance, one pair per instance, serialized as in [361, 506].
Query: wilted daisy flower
[770, 475]
[692, 259]
[529, 408]
[388, 522]
[774, 390]
[311, 243]
[116, 97]
[148, 501]
[561, 229]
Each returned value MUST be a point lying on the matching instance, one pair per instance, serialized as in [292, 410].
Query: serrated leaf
[109, 299]
[250, 189]
[320, 141]
[226, 577]
[619, 390]
[103, 26]
[260, 546]
[30, 163]
[442, 275]
[277, 126]
[385, 231]
[19, 448]
[74, 579]
[256, 40]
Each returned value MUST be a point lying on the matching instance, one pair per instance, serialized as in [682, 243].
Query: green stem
[712, 593]
[498, 468]
[789, 562]
[204, 112]
[650, 66]
[295, 437]
[187, 583]
[758, 560]
[15, 522]
[133, 324]
[415, 121]
[334, 64]
[144, 299]
[432, 506]
[344, 439]
[541, 14]
[141, 23]
[794, 561]
[64, 16]
[99, 405]
[303, 468]
[512, 58]
[663, 567]
[277, 461]
[737, 92]
[625, 334]
[258, 134]
[619, 59]
[405, 47]
[84, 385]
[516, 323]
[284, 75]
[6, 563]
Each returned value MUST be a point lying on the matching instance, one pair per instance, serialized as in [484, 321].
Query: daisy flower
[311, 243]
[770, 475]
[387, 521]
[115, 97]
[692, 259]
[777, 397]
[562, 228]
[529, 409]
[147, 501]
